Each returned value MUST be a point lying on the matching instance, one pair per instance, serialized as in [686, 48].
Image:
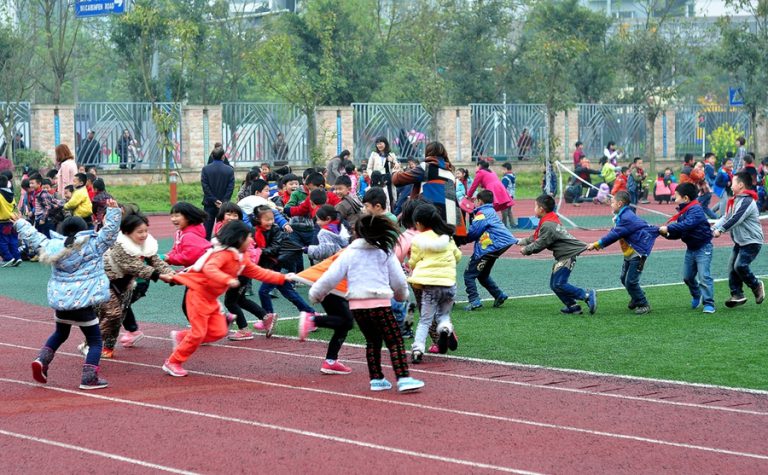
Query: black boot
[91, 378]
[40, 365]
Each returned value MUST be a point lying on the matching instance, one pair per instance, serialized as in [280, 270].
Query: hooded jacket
[433, 259]
[743, 221]
[329, 243]
[491, 182]
[488, 232]
[188, 245]
[127, 260]
[635, 233]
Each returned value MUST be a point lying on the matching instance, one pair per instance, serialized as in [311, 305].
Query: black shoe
[407, 333]
[453, 341]
[442, 342]
[642, 309]
[572, 310]
[631, 305]
[735, 301]
[416, 356]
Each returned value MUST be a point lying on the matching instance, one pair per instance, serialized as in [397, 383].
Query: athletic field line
[99, 453]
[290, 430]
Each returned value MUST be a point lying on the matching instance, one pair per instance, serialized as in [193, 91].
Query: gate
[623, 124]
[509, 131]
[249, 132]
[694, 124]
[406, 127]
[108, 120]
[21, 113]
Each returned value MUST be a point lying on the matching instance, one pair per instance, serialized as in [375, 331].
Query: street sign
[735, 96]
[90, 8]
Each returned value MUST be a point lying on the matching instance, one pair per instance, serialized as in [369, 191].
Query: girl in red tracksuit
[211, 276]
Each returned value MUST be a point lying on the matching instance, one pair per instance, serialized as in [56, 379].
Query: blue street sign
[735, 96]
[90, 8]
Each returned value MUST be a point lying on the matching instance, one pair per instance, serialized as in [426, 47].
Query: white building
[628, 9]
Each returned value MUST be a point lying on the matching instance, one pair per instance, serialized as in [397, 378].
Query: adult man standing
[218, 181]
[89, 150]
[16, 144]
[279, 149]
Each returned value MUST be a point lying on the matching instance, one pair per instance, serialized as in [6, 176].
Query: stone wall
[42, 128]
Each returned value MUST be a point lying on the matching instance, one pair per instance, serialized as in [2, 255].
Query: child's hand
[716, 233]
[167, 278]
[663, 231]
[290, 276]
[288, 229]
[233, 284]
[111, 203]
[15, 217]
[592, 246]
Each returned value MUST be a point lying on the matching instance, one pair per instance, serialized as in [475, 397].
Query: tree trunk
[314, 153]
[650, 139]
[552, 137]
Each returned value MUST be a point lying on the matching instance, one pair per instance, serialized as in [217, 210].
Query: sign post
[92, 8]
[735, 96]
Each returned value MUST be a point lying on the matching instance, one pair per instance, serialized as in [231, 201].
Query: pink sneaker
[129, 339]
[259, 325]
[433, 349]
[176, 338]
[270, 322]
[336, 368]
[306, 325]
[174, 369]
[241, 335]
[231, 317]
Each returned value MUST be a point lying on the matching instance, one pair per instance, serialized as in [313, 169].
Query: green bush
[32, 158]
[723, 140]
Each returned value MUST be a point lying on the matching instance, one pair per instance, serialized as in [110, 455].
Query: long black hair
[378, 231]
[409, 208]
[131, 221]
[233, 234]
[192, 213]
[428, 216]
[383, 140]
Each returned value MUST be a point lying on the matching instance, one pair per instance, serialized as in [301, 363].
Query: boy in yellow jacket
[9, 240]
[80, 203]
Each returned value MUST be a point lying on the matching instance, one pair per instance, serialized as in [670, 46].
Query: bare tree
[61, 30]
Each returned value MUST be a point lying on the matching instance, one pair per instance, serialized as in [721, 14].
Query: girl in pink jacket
[488, 180]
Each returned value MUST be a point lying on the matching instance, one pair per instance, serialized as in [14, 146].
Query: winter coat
[691, 227]
[329, 243]
[370, 272]
[80, 204]
[722, 182]
[489, 181]
[7, 204]
[635, 233]
[188, 245]
[350, 208]
[77, 279]
[270, 253]
[404, 243]
[488, 232]
[218, 182]
[67, 172]
[556, 238]
[126, 260]
[743, 221]
[433, 260]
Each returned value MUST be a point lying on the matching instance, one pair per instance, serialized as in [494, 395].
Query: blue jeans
[9, 242]
[479, 268]
[740, 273]
[630, 279]
[400, 309]
[436, 305]
[288, 292]
[698, 262]
[558, 282]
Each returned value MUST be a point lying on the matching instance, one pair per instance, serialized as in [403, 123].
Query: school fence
[407, 127]
[18, 114]
[506, 131]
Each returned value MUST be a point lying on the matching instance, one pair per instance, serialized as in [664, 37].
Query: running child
[433, 261]
[636, 238]
[9, 239]
[551, 234]
[492, 239]
[691, 226]
[78, 284]
[742, 219]
[207, 280]
[374, 277]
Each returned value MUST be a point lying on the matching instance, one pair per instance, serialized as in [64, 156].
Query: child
[374, 277]
[354, 179]
[607, 172]
[742, 219]
[99, 202]
[350, 207]
[269, 238]
[79, 203]
[210, 277]
[89, 179]
[722, 188]
[491, 240]
[375, 203]
[603, 194]
[403, 253]
[9, 239]
[509, 181]
[662, 190]
[332, 236]
[463, 182]
[621, 181]
[690, 224]
[433, 262]
[44, 204]
[78, 283]
[550, 234]
[235, 299]
[636, 238]
[488, 180]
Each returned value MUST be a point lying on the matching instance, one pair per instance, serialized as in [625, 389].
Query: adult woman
[488, 180]
[123, 146]
[434, 181]
[612, 154]
[382, 160]
[524, 144]
[67, 167]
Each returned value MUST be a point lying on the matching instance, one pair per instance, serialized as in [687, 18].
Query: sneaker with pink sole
[306, 325]
[241, 335]
[433, 349]
[259, 325]
[270, 322]
[336, 368]
[130, 339]
[174, 369]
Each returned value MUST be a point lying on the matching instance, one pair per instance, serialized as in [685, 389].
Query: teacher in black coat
[218, 182]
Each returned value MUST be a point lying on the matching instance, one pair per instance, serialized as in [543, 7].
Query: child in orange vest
[212, 274]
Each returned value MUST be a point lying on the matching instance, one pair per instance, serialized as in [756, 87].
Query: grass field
[673, 342]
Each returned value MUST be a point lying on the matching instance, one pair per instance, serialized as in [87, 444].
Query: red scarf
[682, 211]
[732, 200]
[549, 217]
[258, 236]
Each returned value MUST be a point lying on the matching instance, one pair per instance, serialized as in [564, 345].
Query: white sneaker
[83, 348]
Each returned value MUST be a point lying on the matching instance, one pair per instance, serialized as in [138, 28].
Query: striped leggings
[379, 325]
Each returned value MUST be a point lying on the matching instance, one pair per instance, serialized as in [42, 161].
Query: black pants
[129, 322]
[339, 319]
[211, 211]
[236, 301]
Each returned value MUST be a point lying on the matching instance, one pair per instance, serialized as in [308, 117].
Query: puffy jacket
[743, 221]
[80, 203]
[270, 253]
[7, 204]
[188, 245]
[433, 259]
[77, 279]
[491, 182]
[488, 232]
[691, 227]
[329, 243]
[635, 232]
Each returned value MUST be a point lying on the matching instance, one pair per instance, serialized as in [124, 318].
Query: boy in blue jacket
[491, 239]
[636, 237]
[691, 226]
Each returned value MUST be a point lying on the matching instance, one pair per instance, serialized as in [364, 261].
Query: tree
[60, 40]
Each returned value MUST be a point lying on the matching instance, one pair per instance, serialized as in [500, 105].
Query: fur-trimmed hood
[146, 249]
[55, 251]
[432, 242]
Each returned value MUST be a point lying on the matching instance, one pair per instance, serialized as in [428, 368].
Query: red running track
[263, 406]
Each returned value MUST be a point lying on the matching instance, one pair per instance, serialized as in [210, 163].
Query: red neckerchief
[682, 211]
[258, 236]
[732, 200]
[551, 217]
[333, 226]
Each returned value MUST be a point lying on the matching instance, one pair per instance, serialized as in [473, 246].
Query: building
[629, 9]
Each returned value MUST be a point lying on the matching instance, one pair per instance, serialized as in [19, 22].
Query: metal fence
[249, 132]
[109, 120]
[21, 113]
[694, 124]
[623, 124]
[509, 131]
[406, 127]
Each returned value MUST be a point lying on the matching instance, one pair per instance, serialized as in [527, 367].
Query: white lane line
[99, 453]
[458, 412]
[508, 382]
[276, 427]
